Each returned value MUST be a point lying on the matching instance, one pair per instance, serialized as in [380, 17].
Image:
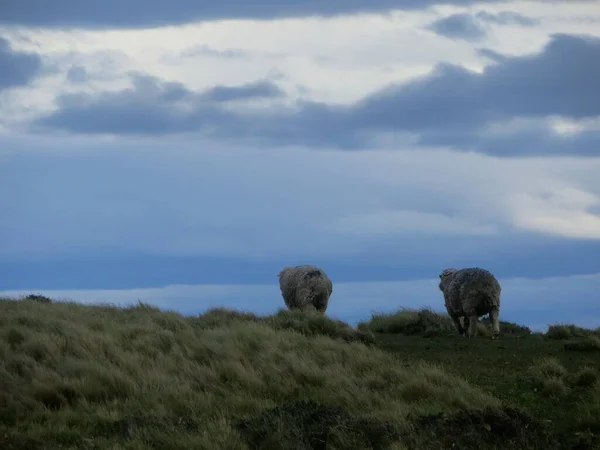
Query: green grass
[101, 377]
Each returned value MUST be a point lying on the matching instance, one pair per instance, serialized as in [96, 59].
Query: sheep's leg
[458, 325]
[473, 320]
[495, 319]
[465, 324]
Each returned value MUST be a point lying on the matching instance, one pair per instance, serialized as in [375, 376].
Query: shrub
[38, 298]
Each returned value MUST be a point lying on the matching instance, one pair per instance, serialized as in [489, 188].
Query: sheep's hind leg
[473, 321]
[495, 319]
[458, 325]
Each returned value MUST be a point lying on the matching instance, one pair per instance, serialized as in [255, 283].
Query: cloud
[532, 302]
[17, 68]
[472, 27]
[139, 13]
[507, 18]
[260, 89]
[450, 105]
[205, 50]
[77, 74]
[459, 26]
[560, 80]
[153, 106]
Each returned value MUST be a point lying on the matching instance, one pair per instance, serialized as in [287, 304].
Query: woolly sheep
[468, 294]
[305, 287]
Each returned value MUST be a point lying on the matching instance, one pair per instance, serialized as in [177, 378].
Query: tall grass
[75, 376]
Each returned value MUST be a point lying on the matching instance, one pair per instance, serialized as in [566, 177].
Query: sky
[182, 153]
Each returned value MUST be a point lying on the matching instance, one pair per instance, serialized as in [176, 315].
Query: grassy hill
[102, 377]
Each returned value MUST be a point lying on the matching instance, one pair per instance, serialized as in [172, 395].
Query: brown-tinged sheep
[304, 287]
[470, 293]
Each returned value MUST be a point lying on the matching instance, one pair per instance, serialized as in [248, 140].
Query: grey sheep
[468, 294]
[305, 287]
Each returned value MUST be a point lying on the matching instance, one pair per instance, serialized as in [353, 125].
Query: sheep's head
[446, 277]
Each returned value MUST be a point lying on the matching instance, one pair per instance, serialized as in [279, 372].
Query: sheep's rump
[471, 288]
[305, 285]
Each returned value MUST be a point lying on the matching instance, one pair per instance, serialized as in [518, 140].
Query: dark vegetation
[101, 377]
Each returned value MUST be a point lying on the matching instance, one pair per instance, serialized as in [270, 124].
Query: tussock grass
[548, 368]
[588, 419]
[96, 377]
[554, 387]
[586, 377]
[548, 375]
[561, 331]
[75, 376]
[426, 322]
[586, 344]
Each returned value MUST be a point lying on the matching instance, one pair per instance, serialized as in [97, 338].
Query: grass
[426, 323]
[563, 331]
[586, 344]
[100, 377]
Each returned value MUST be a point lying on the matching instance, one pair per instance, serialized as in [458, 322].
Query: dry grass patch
[75, 376]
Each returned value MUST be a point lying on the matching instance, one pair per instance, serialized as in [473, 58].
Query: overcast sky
[183, 152]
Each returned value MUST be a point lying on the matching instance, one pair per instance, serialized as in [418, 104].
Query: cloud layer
[450, 105]
[115, 13]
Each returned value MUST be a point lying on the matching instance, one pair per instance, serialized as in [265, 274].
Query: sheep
[305, 287]
[468, 294]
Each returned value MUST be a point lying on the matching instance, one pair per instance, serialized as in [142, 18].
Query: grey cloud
[449, 106]
[204, 50]
[459, 26]
[507, 18]
[471, 27]
[143, 13]
[260, 89]
[77, 74]
[491, 54]
[153, 106]
[17, 68]
[535, 140]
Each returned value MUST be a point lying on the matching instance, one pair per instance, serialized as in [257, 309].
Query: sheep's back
[308, 276]
[476, 286]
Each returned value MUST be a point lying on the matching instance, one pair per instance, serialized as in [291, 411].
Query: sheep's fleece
[470, 293]
[305, 286]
